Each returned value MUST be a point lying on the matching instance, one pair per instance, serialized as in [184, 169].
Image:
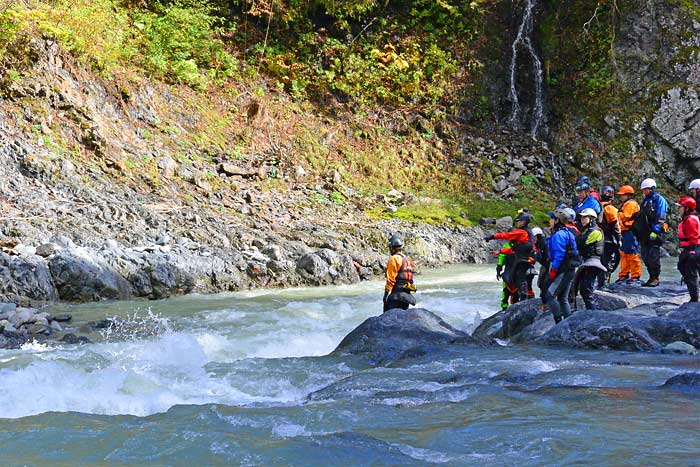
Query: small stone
[299, 173]
[22, 316]
[167, 166]
[163, 240]
[274, 252]
[62, 318]
[45, 250]
[111, 244]
[38, 328]
[56, 326]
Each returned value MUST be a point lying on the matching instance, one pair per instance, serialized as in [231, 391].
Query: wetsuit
[689, 237]
[562, 256]
[649, 229]
[590, 245]
[399, 282]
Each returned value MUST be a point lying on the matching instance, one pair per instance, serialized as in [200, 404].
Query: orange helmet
[687, 202]
[625, 190]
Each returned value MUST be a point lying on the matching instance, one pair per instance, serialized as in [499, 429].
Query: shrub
[178, 40]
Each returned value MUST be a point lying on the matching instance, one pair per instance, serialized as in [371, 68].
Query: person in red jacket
[521, 243]
[689, 236]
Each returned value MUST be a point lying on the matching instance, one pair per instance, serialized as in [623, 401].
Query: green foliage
[178, 40]
[175, 41]
[406, 52]
[96, 30]
[437, 213]
[577, 45]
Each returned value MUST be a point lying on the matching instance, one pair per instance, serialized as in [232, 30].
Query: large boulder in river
[80, 277]
[397, 334]
[524, 321]
[684, 381]
[646, 327]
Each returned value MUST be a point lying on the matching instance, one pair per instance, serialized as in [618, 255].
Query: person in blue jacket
[650, 228]
[563, 258]
[585, 199]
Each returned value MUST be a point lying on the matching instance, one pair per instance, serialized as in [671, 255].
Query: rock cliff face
[622, 86]
[656, 68]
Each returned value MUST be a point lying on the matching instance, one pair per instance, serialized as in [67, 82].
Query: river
[240, 379]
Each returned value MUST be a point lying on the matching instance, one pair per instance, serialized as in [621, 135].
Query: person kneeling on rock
[564, 259]
[399, 277]
[689, 236]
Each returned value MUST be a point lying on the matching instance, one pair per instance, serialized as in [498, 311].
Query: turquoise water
[240, 379]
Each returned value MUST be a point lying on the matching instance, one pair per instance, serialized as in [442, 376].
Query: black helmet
[395, 242]
[608, 193]
[524, 216]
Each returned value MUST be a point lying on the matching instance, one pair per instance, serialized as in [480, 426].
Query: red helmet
[687, 202]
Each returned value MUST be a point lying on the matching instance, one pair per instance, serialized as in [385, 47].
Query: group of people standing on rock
[588, 241]
[586, 244]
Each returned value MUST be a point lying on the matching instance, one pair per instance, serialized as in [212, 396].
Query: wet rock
[632, 329]
[25, 280]
[80, 277]
[22, 316]
[397, 333]
[62, 318]
[684, 381]
[525, 321]
[73, 339]
[679, 348]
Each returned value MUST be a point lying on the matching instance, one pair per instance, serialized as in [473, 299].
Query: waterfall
[524, 40]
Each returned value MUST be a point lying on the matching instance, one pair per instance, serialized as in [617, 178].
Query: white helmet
[588, 212]
[648, 183]
[537, 231]
[694, 184]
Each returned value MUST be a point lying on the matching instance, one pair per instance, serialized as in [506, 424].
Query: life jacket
[649, 216]
[610, 229]
[591, 250]
[524, 252]
[404, 278]
[689, 231]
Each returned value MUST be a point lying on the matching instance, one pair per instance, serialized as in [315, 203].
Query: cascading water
[523, 40]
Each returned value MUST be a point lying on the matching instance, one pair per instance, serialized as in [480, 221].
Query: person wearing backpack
[563, 258]
[399, 277]
[689, 237]
[521, 243]
[630, 262]
[610, 226]
[650, 228]
[590, 245]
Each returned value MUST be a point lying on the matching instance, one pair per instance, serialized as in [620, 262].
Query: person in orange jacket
[399, 277]
[630, 262]
[610, 225]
